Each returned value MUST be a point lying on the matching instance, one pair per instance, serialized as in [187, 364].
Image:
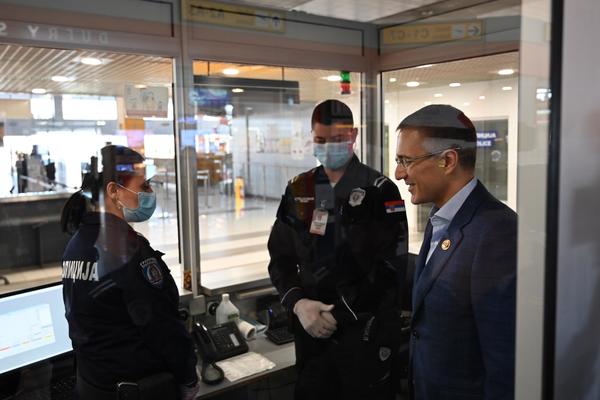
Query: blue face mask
[333, 155]
[145, 208]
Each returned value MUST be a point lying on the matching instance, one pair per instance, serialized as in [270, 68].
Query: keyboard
[280, 335]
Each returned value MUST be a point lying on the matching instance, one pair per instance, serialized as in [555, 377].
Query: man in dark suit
[463, 323]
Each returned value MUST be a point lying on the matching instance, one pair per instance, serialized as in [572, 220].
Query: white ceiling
[351, 10]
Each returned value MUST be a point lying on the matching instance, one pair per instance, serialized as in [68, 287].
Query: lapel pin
[446, 244]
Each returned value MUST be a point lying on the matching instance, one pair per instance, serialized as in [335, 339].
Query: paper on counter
[244, 365]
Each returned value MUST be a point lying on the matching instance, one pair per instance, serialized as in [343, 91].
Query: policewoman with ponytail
[121, 301]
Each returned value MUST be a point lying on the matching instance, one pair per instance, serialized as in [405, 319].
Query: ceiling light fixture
[481, 97]
[91, 61]
[455, 84]
[506, 71]
[231, 71]
[466, 104]
[392, 80]
[412, 84]
[506, 88]
[425, 66]
[333, 78]
[60, 78]
[438, 95]
[140, 86]
[38, 91]
[237, 90]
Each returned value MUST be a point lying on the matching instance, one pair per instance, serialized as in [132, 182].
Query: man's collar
[449, 210]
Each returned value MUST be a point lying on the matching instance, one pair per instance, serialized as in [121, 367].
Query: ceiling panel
[462, 71]
[25, 68]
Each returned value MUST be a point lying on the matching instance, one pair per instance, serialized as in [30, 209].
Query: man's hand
[316, 318]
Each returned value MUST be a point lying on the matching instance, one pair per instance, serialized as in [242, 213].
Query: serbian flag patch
[394, 206]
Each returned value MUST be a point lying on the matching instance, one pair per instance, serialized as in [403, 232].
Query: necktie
[422, 259]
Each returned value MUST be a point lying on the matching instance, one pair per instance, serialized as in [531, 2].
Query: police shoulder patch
[152, 272]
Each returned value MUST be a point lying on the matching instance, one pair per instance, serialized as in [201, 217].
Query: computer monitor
[32, 327]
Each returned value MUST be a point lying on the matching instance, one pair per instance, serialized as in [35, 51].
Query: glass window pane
[253, 136]
[48, 140]
[486, 90]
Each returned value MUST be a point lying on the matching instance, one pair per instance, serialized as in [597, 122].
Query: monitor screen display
[34, 327]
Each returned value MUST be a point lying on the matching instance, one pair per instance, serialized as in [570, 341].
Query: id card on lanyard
[318, 225]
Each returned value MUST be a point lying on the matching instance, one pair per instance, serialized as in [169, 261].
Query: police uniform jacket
[359, 261]
[122, 306]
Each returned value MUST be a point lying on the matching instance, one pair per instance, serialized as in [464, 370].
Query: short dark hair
[442, 121]
[330, 112]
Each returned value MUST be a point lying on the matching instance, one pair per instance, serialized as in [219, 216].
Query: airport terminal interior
[218, 96]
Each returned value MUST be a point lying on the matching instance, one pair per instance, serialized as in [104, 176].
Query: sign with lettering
[432, 33]
[50, 33]
[236, 16]
[486, 138]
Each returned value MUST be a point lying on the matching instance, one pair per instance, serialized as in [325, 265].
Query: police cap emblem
[152, 272]
[356, 197]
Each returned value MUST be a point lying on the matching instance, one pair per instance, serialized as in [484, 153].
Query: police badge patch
[384, 353]
[152, 272]
[356, 197]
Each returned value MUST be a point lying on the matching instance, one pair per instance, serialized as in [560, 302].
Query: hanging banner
[146, 101]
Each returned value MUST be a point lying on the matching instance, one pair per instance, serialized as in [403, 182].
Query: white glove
[189, 393]
[316, 318]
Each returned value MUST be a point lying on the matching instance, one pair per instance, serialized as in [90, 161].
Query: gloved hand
[310, 314]
[189, 392]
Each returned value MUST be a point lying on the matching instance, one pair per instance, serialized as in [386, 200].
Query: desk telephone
[215, 344]
[219, 342]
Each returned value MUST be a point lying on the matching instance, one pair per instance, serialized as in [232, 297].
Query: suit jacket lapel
[440, 257]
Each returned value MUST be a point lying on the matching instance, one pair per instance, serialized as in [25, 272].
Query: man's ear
[449, 161]
[354, 134]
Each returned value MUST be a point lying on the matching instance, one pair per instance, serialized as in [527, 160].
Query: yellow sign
[215, 13]
[432, 33]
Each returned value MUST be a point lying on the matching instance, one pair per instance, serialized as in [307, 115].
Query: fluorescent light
[425, 66]
[428, 103]
[91, 61]
[454, 84]
[506, 88]
[237, 90]
[412, 84]
[140, 86]
[466, 104]
[438, 95]
[333, 78]
[392, 80]
[60, 78]
[231, 71]
[481, 97]
[387, 102]
[507, 71]
[38, 91]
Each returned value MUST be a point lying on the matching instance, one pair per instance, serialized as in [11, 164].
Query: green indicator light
[345, 75]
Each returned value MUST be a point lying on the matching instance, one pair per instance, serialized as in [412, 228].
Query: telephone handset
[219, 342]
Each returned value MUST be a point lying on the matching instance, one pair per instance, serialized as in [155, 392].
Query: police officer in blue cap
[121, 301]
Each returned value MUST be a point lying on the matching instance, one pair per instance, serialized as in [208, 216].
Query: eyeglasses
[408, 161]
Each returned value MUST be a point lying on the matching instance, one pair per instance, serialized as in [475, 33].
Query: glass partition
[253, 135]
[486, 90]
[54, 116]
